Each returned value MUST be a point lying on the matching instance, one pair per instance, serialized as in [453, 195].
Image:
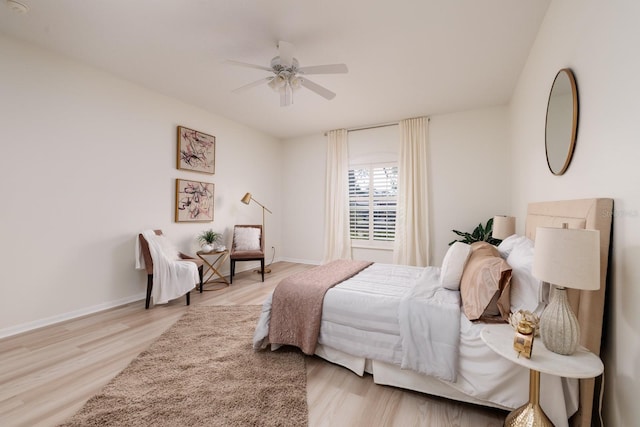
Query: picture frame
[194, 201]
[196, 151]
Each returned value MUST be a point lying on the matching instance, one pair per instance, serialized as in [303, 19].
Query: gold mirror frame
[561, 125]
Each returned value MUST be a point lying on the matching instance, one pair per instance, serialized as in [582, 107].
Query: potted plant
[479, 234]
[208, 239]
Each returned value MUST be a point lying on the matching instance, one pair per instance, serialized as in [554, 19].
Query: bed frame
[595, 214]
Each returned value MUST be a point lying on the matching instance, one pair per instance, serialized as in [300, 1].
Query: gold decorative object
[523, 340]
[515, 318]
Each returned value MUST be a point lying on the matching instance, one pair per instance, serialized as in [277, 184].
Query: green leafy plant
[209, 237]
[479, 234]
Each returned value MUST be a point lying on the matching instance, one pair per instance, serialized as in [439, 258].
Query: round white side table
[581, 364]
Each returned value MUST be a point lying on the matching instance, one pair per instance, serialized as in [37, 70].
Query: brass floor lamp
[246, 200]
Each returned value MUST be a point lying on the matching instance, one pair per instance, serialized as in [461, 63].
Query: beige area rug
[203, 372]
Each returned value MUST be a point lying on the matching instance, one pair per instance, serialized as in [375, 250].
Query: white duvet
[392, 313]
[362, 320]
[429, 319]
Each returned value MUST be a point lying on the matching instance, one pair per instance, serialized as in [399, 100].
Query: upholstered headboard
[593, 214]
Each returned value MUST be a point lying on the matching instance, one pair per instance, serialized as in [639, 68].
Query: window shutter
[373, 194]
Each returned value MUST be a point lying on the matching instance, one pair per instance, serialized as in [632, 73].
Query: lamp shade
[246, 199]
[567, 257]
[503, 227]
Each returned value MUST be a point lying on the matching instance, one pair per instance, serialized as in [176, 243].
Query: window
[373, 195]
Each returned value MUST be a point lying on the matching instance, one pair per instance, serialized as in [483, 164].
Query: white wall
[599, 41]
[469, 172]
[468, 168]
[88, 161]
[304, 161]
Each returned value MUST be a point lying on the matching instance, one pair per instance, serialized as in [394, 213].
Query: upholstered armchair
[148, 262]
[248, 245]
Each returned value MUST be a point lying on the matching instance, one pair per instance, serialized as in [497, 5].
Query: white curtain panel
[412, 217]
[337, 243]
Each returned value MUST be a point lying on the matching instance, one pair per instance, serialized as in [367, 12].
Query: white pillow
[506, 246]
[453, 265]
[247, 238]
[526, 290]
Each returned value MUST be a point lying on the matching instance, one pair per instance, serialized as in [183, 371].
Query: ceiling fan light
[295, 82]
[278, 82]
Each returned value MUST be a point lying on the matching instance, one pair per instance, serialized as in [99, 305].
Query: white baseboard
[47, 321]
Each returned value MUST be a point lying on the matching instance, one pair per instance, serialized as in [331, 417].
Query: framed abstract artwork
[194, 201]
[196, 151]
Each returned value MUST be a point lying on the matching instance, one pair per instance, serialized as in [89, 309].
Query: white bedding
[360, 318]
[391, 313]
[429, 318]
[360, 315]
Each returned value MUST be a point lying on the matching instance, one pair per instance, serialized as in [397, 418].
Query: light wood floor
[46, 375]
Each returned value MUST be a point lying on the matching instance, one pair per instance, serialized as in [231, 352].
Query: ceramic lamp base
[559, 327]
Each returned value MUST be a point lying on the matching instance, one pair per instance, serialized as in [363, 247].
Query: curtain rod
[380, 125]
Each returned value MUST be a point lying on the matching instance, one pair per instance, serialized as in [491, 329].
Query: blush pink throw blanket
[296, 308]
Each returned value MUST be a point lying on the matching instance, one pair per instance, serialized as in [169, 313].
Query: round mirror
[562, 121]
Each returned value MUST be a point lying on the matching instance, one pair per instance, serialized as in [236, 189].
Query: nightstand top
[581, 364]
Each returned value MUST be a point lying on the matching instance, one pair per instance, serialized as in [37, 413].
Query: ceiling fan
[288, 76]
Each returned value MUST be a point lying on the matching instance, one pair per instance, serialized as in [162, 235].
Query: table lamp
[503, 227]
[566, 258]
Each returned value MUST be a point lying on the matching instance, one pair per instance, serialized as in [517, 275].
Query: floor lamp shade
[567, 259]
[503, 227]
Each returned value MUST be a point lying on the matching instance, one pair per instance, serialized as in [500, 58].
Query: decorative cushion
[526, 291]
[246, 238]
[484, 288]
[453, 265]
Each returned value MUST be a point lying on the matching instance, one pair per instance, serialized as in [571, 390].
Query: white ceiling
[406, 58]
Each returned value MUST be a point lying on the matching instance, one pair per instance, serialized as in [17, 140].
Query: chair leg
[189, 298]
[149, 288]
[233, 269]
[200, 274]
[262, 268]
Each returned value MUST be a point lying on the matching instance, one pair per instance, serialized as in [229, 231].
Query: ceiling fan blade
[244, 64]
[322, 91]
[252, 84]
[285, 50]
[324, 69]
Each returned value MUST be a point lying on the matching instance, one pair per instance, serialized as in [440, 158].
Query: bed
[362, 323]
